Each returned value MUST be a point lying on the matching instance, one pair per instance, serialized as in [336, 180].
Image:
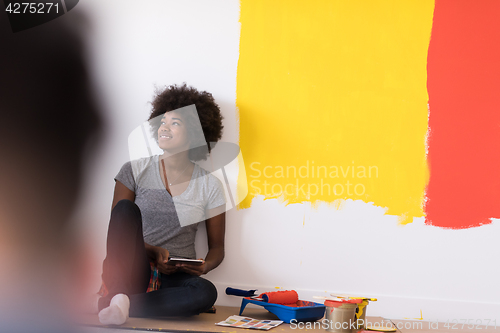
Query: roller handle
[240, 292]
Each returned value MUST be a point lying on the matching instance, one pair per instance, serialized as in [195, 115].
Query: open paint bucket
[341, 315]
[361, 311]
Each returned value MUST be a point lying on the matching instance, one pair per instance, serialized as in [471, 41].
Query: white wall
[448, 274]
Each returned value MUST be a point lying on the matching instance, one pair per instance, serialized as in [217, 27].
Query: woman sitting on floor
[157, 206]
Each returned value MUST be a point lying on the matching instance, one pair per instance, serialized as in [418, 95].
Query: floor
[103, 330]
[206, 323]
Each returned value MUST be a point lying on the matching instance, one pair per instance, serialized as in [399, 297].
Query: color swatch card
[246, 322]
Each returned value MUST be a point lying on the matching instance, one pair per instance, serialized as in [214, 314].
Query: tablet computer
[173, 261]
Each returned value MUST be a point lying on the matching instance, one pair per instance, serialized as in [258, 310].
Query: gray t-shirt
[171, 223]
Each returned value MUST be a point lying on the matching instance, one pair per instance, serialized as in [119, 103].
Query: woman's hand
[193, 269]
[161, 261]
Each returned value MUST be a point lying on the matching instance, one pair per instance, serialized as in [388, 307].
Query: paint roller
[283, 297]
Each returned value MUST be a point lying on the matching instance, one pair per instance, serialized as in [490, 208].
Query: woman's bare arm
[216, 228]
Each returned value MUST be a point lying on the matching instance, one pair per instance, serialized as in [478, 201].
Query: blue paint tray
[301, 311]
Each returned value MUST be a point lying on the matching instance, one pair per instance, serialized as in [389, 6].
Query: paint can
[341, 315]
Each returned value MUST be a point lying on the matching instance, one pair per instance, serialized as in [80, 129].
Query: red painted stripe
[464, 101]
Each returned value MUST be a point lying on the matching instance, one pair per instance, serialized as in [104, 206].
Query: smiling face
[173, 133]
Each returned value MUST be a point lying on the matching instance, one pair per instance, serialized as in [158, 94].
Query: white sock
[117, 311]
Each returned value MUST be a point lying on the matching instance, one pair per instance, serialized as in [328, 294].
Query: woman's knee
[126, 208]
[125, 204]
[207, 294]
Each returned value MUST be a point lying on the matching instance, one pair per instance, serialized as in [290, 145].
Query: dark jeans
[126, 270]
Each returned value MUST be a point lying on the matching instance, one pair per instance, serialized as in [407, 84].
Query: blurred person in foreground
[48, 122]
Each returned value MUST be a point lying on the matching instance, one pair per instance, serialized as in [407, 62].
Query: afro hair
[174, 97]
